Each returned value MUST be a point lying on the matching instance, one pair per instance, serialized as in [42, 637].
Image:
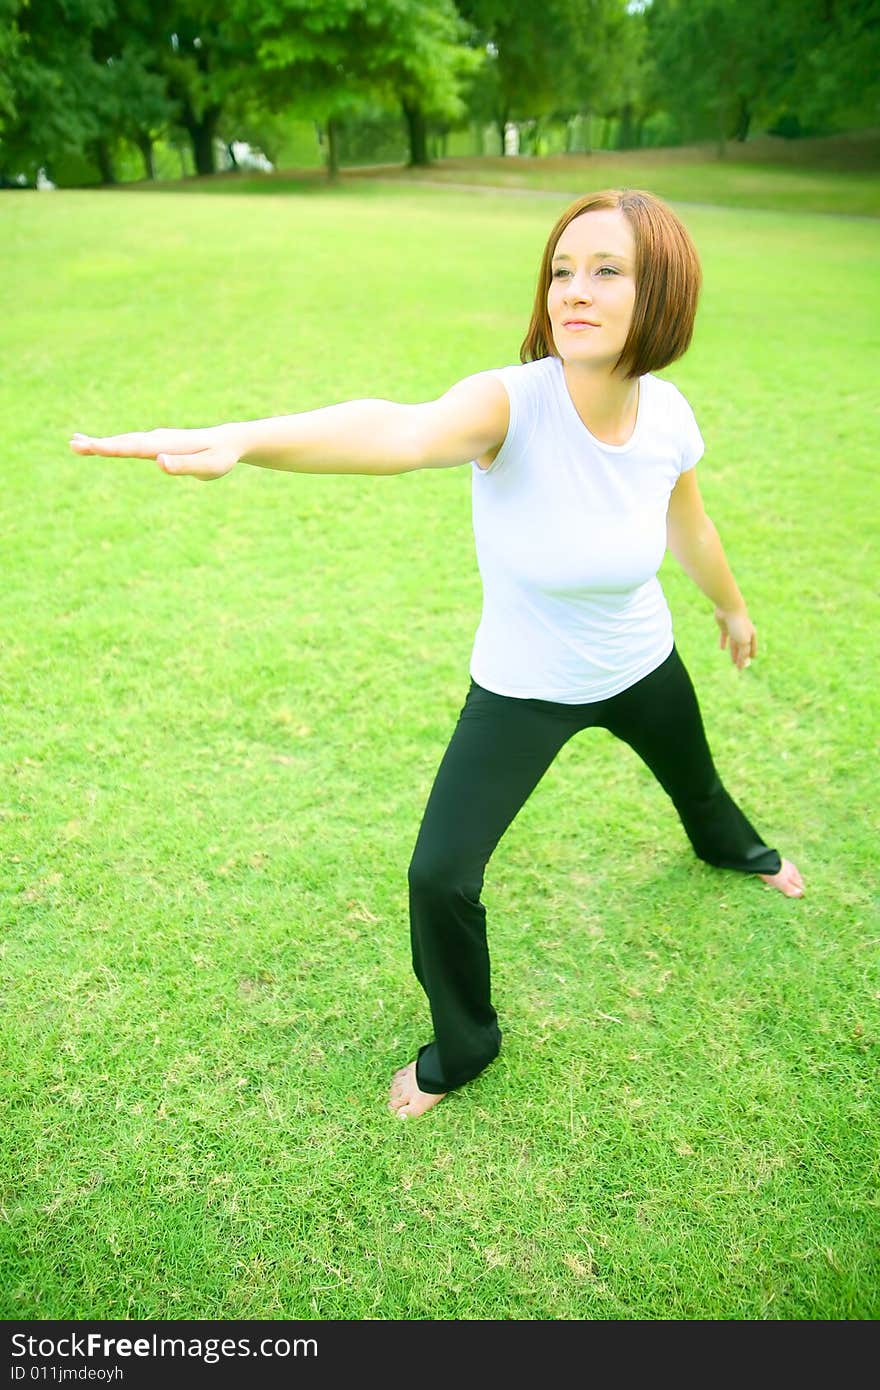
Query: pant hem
[441, 1088]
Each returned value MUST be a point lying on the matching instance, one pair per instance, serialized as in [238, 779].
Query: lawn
[222, 711]
[691, 175]
[837, 175]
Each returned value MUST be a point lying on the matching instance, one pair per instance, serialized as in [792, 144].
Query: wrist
[735, 609]
[234, 437]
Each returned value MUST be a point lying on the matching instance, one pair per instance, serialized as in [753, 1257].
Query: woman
[583, 467]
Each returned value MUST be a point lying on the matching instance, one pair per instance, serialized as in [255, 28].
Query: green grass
[837, 175]
[223, 708]
[729, 182]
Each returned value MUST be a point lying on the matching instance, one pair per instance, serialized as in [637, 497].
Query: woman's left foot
[405, 1099]
[788, 880]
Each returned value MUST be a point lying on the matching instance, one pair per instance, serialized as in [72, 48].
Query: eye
[609, 268]
[560, 271]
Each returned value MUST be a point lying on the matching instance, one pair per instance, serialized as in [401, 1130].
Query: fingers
[738, 630]
[182, 464]
[133, 446]
[144, 444]
[741, 655]
[172, 450]
[141, 445]
[205, 465]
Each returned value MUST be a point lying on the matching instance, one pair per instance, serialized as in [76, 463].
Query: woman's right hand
[203, 454]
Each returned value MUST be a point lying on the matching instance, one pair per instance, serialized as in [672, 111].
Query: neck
[602, 392]
[606, 402]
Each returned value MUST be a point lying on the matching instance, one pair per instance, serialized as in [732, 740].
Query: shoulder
[674, 419]
[522, 372]
[670, 409]
[528, 382]
[527, 385]
[666, 395]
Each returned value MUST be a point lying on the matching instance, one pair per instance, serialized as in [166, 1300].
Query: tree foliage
[330, 58]
[555, 59]
[726, 65]
[84, 76]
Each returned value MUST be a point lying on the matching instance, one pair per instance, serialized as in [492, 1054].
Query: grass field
[222, 711]
[694, 176]
[838, 175]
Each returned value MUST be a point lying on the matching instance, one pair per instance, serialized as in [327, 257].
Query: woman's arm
[696, 545]
[363, 436]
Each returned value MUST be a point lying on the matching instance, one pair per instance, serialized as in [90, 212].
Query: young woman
[583, 472]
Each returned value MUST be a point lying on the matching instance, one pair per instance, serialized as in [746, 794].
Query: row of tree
[88, 76]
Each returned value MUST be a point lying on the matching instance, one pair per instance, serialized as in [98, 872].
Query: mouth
[579, 323]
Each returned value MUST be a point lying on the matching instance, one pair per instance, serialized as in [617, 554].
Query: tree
[554, 59]
[79, 82]
[130, 94]
[330, 59]
[52, 86]
[425, 65]
[733, 64]
[836, 79]
[205, 54]
[625, 69]
[11, 50]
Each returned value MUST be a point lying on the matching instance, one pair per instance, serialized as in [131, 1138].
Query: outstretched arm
[363, 436]
[696, 545]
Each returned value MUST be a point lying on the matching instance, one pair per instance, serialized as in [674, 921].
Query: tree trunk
[201, 132]
[144, 142]
[203, 146]
[332, 149]
[743, 120]
[417, 131]
[104, 161]
[722, 134]
[231, 152]
[625, 139]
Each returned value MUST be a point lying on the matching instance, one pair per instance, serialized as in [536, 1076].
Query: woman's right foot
[405, 1099]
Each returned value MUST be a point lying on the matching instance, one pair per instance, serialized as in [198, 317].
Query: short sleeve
[690, 441]
[518, 382]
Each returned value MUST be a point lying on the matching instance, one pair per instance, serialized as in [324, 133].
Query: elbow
[687, 543]
[412, 445]
[388, 441]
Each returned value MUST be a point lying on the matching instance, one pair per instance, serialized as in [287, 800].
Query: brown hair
[668, 280]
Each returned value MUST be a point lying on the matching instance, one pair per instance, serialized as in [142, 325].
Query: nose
[577, 291]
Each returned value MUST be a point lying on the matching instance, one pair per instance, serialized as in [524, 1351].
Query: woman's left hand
[739, 630]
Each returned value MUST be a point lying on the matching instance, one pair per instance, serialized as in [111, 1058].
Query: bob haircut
[668, 280]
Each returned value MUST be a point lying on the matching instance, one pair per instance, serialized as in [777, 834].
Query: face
[592, 288]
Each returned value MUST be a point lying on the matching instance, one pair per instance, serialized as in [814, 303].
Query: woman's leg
[659, 718]
[499, 751]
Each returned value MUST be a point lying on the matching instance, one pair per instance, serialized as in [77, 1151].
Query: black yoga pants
[500, 749]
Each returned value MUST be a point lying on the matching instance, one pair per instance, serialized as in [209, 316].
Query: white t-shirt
[570, 533]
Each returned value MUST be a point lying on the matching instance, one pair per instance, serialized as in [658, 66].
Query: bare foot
[405, 1098]
[788, 880]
